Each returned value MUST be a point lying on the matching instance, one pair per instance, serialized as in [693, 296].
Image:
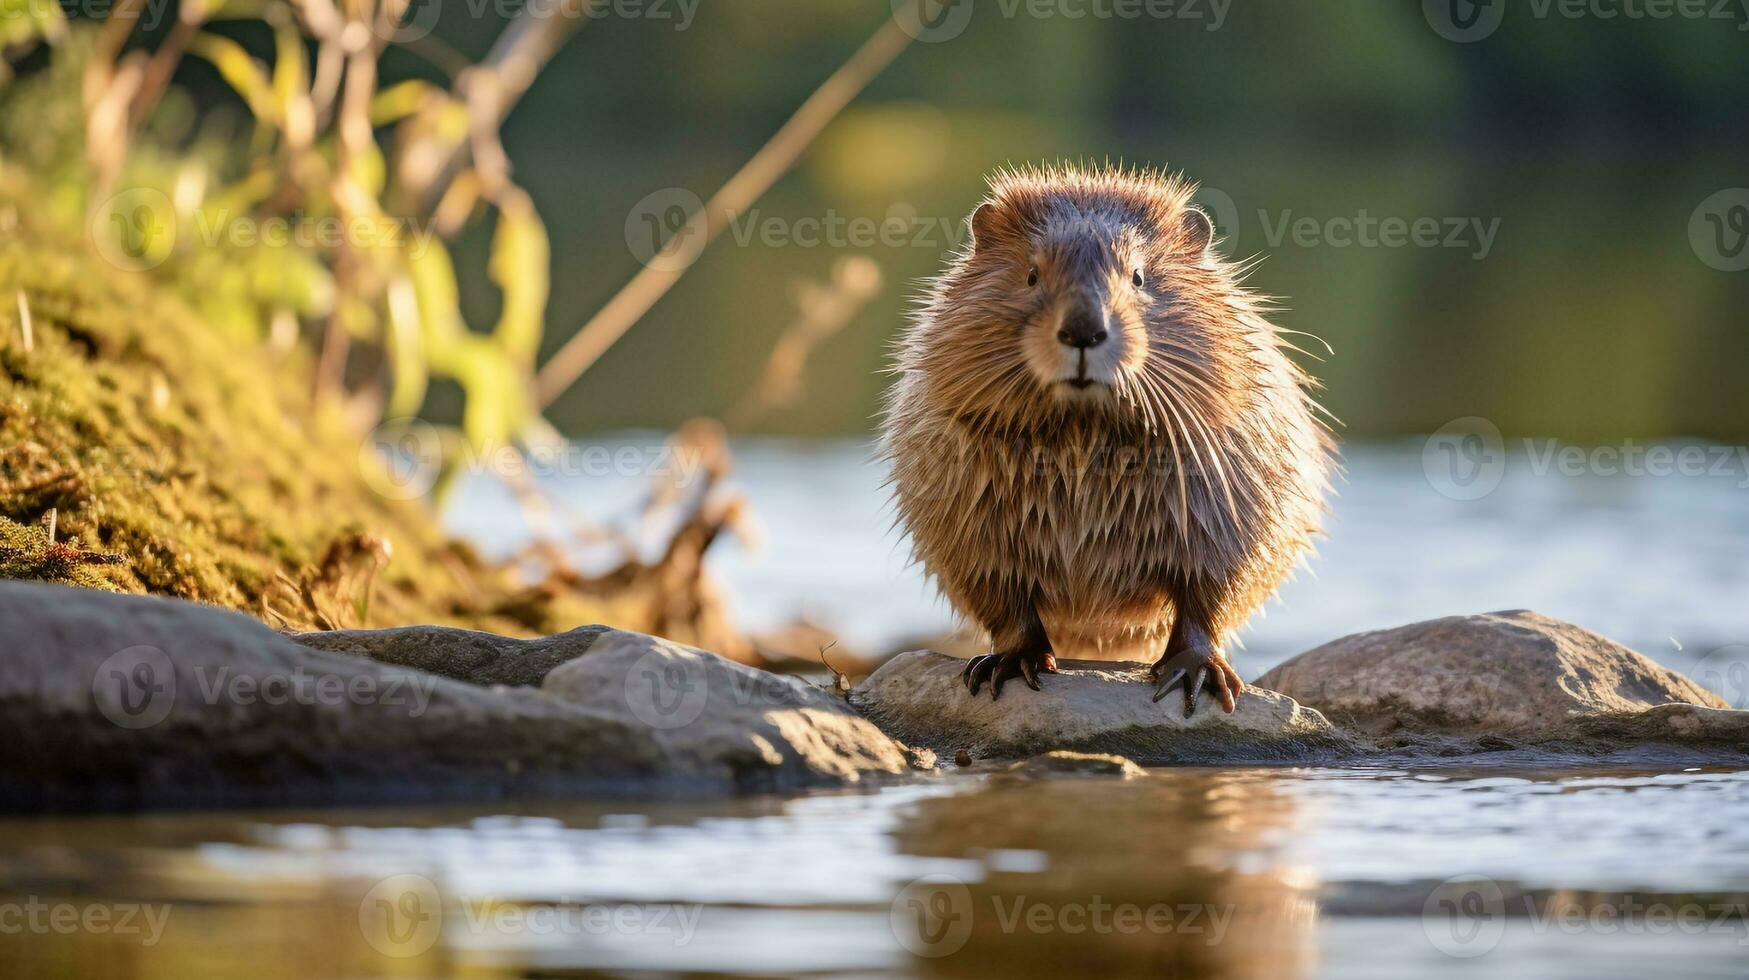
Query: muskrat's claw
[998, 668]
[1195, 669]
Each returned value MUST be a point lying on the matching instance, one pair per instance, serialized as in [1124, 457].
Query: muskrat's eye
[1136, 277]
[1032, 276]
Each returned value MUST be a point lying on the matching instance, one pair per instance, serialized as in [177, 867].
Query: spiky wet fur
[1016, 493]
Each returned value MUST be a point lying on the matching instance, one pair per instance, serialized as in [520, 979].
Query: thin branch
[773, 160]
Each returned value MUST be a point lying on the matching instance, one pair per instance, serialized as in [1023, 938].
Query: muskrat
[1098, 440]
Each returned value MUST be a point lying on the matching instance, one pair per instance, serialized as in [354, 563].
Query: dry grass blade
[25, 327]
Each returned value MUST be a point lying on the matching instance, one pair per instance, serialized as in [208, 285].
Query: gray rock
[742, 725]
[465, 655]
[122, 701]
[918, 698]
[1504, 679]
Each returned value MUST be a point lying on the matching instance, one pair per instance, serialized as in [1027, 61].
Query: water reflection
[1184, 872]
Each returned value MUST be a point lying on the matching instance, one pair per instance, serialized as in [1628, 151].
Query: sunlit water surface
[1196, 872]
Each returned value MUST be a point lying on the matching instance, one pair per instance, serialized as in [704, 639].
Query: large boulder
[716, 716]
[919, 699]
[123, 701]
[1504, 679]
[465, 655]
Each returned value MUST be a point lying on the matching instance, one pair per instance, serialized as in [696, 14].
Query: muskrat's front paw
[1195, 669]
[997, 668]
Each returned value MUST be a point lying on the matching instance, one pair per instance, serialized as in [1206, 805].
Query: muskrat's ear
[985, 221]
[1199, 231]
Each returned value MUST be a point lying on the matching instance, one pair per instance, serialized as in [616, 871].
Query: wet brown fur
[1189, 491]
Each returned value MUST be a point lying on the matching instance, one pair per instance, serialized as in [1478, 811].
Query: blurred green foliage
[1590, 140]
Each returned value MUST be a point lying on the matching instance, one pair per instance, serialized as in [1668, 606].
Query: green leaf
[410, 373]
[519, 265]
[241, 72]
[440, 315]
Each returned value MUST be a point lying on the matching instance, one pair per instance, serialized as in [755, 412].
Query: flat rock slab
[1108, 708]
[1506, 680]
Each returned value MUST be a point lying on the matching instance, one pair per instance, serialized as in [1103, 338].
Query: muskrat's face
[1078, 291]
[1082, 301]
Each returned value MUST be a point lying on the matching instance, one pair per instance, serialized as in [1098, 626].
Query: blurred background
[681, 236]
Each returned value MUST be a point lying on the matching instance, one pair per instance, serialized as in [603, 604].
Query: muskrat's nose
[1082, 329]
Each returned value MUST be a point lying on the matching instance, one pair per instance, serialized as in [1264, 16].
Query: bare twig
[24, 323]
[755, 177]
[824, 310]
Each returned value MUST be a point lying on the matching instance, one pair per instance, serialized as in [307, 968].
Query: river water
[1366, 872]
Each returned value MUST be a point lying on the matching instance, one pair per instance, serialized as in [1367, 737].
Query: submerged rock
[1502, 680]
[918, 698]
[713, 715]
[1064, 763]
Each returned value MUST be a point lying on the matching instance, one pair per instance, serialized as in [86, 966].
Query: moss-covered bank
[172, 461]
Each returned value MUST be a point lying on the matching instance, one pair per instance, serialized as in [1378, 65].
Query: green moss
[29, 553]
[200, 461]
